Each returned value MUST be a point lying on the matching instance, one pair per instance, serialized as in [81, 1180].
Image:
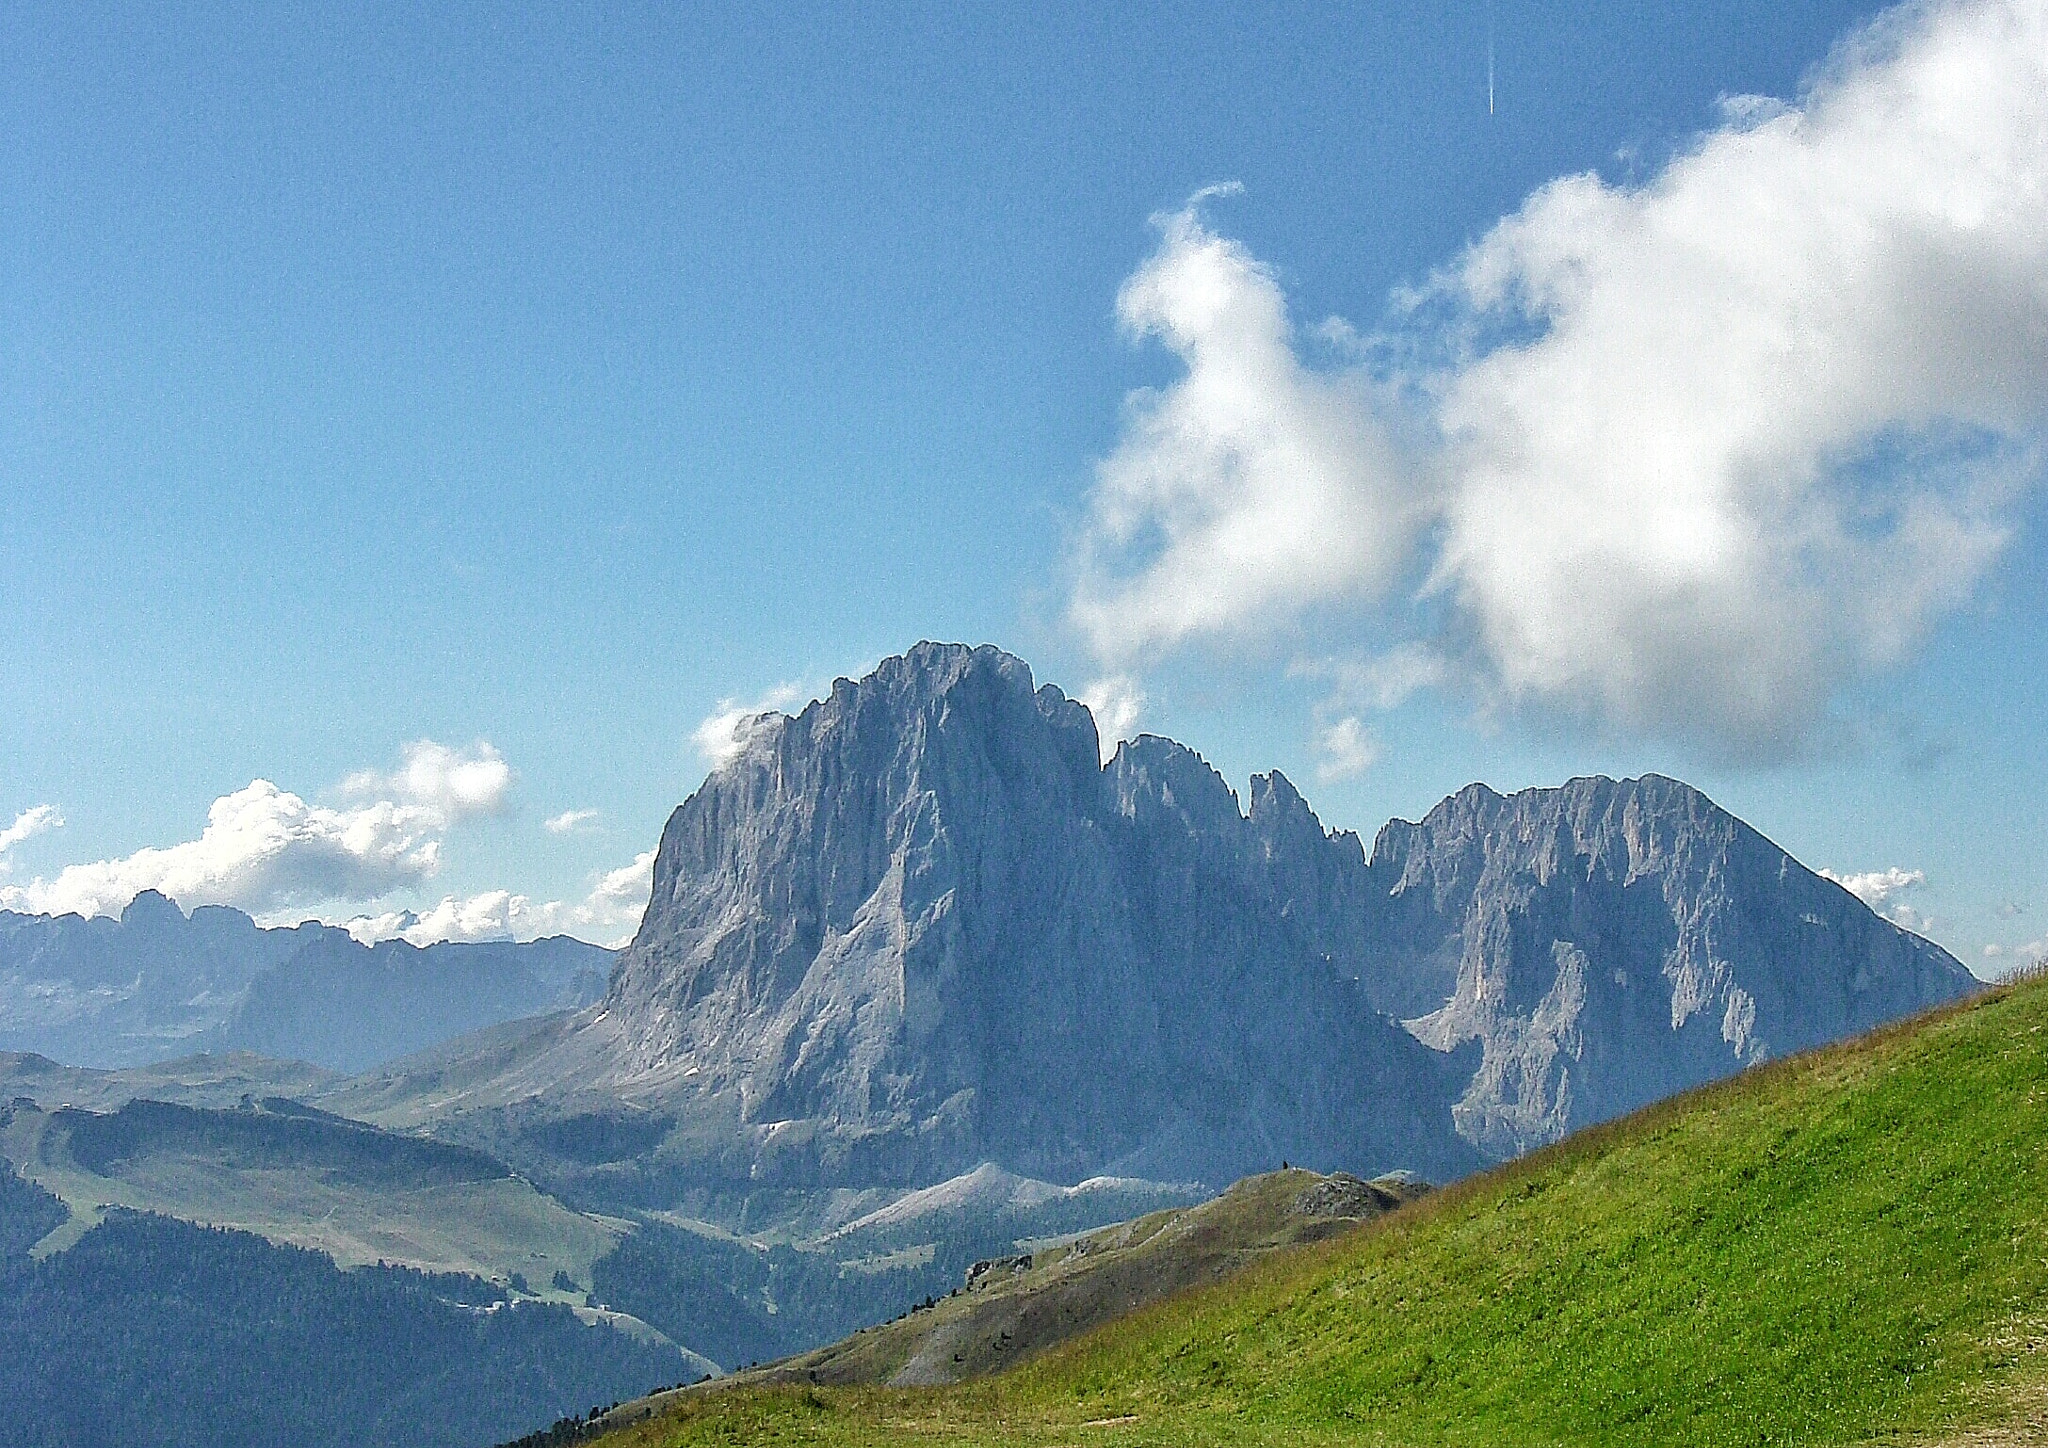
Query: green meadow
[1849, 1246]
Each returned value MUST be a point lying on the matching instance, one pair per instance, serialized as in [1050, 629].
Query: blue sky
[539, 386]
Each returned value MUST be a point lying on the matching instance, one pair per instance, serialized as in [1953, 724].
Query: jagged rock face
[126, 991]
[1610, 943]
[920, 925]
[156, 984]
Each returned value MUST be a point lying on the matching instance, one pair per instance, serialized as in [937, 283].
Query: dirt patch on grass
[2026, 1426]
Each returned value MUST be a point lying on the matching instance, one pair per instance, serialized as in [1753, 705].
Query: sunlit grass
[1840, 1248]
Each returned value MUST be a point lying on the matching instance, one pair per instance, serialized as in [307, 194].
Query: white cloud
[262, 849]
[626, 888]
[2018, 957]
[1345, 750]
[1881, 889]
[725, 731]
[568, 821]
[268, 851]
[31, 821]
[610, 913]
[455, 783]
[271, 853]
[1117, 703]
[1250, 489]
[1702, 453]
[1382, 683]
[1876, 888]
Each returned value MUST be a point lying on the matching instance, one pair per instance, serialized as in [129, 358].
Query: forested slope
[154, 1333]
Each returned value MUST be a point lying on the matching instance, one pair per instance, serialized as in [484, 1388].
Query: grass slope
[1845, 1247]
[1022, 1305]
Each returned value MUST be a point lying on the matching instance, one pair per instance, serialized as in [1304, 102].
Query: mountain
[1839, 1247]
[125, 991]
[921, 926]
[348, 1006]
[1607, 944]
[156, 984]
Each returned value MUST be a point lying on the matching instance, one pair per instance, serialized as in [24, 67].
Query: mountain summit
[920, 926]
[1607, 943]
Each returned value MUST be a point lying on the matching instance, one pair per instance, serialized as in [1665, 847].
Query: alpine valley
[923, 983]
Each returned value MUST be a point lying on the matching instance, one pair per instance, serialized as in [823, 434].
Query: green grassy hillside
[1016, 1306]
[1846, 1247]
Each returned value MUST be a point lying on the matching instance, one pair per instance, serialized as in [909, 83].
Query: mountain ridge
[923, 924]
[155, 983]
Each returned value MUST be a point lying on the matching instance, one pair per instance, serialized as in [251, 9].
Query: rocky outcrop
[919, 926]
[1610, 943]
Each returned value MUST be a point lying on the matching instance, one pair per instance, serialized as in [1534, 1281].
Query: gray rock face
[156, 984]
[920, 926]
[1607, 944]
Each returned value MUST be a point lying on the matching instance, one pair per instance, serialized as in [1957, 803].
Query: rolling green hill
[301, 1177]
[1848, 1246]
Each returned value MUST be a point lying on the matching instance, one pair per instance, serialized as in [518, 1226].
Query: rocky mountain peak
[1613, 941]
[150, 909]
[922, 915]
[919, 925]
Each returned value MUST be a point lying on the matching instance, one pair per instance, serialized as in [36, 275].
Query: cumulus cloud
[1117, 703]
[1685, 458]
[609, 913]
[262, 849]
[568, 821]
[1253, 487]
[1876, 887]
[1345, 749]
[266, 850]
[1881, 889]
[725, 731]
[273, 854]
[454, 783]
[622, 893]
[1383, 682]
[31, 821]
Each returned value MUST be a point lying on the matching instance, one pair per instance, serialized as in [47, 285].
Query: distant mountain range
[921, 926]
[156, 984]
